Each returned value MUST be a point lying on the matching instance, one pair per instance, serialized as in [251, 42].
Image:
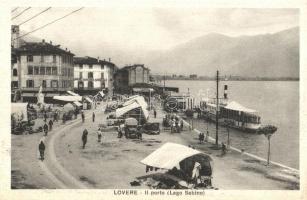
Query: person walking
[76, 113]
[45, 116]
[93, 117]
[155, 113]
[84, 138]
[50, 124]
[207, 136]
[99, 134]
[41, 148]
[64, 118]
[55, 116]
[223, 149]
[45, 127]
[83, 117]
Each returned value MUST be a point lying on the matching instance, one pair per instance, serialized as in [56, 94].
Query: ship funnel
[225, 92]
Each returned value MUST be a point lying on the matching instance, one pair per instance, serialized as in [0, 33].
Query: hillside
[273, 55]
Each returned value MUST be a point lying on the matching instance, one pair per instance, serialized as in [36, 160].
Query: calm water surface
[277, 103]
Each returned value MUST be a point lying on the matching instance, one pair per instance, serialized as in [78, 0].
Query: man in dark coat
[50, 124]
[84, 137]
[45, 116]
[45, 127]
[41, 148]
[155, 113]
[93, 116]
[83, 117]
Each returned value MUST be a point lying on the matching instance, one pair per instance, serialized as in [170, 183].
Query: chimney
[43, 41]
[109, 59]
[66, 49]
[50, 42]
[98, 59]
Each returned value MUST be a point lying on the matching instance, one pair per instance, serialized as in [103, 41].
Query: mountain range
[268, 55]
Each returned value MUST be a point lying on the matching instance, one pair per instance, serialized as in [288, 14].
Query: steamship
[230, 113]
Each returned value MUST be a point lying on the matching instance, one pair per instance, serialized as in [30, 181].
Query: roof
[238, 107]
[123, 110]
[170, 155]
[91, 60]
[133, 66]
[141, 101]
[42, 47]
[72, 93]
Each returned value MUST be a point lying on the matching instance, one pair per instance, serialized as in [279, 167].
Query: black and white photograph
[155, 100]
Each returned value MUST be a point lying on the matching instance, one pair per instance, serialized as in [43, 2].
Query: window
[54, 83]
[14, 72]
[30, 58]
[42, 70]
[80, 66]
[80, 75]
[102, 66]
[90, 84]
[36, 70]
[54, 58]
[80, 85]
[30, 70]
[42, 58]
[48, 70]
[90, 66]
[30, 83]
[54, 71]
[90, 75]
[102, 76]
[44, 84]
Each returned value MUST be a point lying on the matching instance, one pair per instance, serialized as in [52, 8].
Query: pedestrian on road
[64, 118]
[93, 117]
[41, 148]
[223, 149]
[155, 113]
[55, 116]
[207, 136]
[76, 113]
[83, 117]
[45, 127]
[84, 137]
[45, 116]
[50, 124]
[99, 134]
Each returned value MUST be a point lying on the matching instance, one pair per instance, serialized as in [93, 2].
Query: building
[92, 75]
[126, 77]
[36, 64]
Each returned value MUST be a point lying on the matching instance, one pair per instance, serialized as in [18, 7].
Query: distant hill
[270, 55]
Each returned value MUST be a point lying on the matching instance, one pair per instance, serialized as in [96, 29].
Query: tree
[268, 131]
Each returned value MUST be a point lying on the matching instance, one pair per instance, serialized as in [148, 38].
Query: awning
[51, 95]
[77, 103]
[72, 93]
[143, 89]
[170, 155]
[141, 101]
[29, 94]
[68, 107]
[238, 107]
[68, 98]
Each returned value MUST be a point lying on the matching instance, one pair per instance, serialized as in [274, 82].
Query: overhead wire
[41, 27]
[14, 10]
[34, 16]
[21, 13]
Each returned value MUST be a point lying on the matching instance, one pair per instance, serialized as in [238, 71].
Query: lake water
[277, 103]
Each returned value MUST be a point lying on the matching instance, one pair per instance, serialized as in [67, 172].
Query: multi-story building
[92, 75]
[36, 64]
[128, 76]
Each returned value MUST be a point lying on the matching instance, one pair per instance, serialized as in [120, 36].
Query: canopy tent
[123, 110]
[238, 107]
[132, 97]
[68, 107]
[144, 90]
[72, 93]
[68, 98]
[141, 101]
[170, 155]
[19, 111]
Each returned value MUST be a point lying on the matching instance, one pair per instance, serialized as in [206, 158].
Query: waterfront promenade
[114, 163]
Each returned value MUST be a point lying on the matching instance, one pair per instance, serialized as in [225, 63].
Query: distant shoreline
[234, 79]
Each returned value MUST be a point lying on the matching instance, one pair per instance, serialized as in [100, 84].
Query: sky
[116, 30]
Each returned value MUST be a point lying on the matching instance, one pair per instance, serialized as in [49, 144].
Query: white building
[92, 75]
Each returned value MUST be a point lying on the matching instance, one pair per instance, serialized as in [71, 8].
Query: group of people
[202, 137]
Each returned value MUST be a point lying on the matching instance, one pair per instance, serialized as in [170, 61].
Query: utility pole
[217, 109]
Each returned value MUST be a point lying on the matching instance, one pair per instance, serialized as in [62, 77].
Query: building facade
[92, 75]
[36, 64]
[128, 76]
